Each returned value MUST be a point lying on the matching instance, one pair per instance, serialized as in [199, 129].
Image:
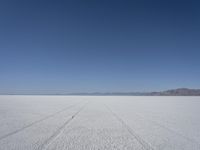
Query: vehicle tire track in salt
[59, 130]
[170, 130]
[37, 121]
[145, 145]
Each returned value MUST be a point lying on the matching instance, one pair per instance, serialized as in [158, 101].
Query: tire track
[170, 130]
[145, 145]
[59, 130]
[36, 122]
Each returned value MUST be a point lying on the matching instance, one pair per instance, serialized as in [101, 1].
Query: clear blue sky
[99, 45]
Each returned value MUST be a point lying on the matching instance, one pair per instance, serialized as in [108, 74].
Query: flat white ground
[99, 123]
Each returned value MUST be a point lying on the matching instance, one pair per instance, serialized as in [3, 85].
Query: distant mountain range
[178, 92]
[172, 92]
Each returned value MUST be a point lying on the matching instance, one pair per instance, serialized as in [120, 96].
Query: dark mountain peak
[179, 92]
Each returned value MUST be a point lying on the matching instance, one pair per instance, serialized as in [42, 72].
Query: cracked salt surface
[99, 123]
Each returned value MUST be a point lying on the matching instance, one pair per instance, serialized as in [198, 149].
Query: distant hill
[172, 92]
[178, 92]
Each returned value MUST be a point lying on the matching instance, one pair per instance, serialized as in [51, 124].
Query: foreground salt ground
[99, 123]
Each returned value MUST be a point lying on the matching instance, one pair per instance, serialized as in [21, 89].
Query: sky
[99, 45]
